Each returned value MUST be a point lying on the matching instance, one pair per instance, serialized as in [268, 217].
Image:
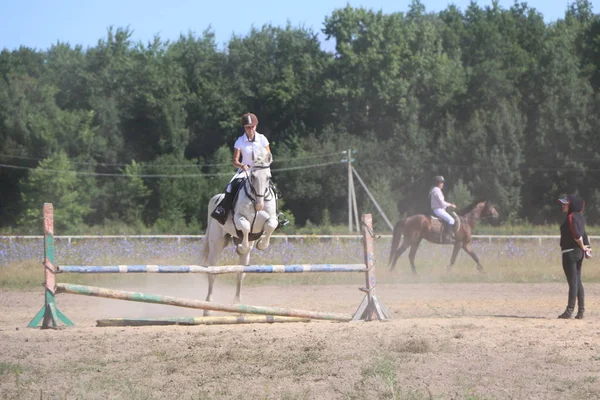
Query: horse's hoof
[262, 244]
[207, 313]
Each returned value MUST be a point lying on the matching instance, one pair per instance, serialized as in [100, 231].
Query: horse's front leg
[268, 229]
[467, 248]
[455, 251]
[243, 260]
[243, 225]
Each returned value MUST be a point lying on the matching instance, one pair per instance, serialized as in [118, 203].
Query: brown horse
[420, 226]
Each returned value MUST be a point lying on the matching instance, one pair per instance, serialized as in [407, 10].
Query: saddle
[439, 227]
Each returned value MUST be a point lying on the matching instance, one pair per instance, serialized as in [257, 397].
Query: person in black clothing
[575, 245]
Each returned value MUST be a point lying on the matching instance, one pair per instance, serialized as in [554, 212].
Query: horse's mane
[262, 157]
[471, 206]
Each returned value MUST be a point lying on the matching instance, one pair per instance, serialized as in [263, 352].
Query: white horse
[254, 217]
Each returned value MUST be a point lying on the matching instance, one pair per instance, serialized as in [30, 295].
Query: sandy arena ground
[445, 341]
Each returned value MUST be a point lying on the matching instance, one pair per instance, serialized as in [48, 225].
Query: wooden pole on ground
[220, 320]
[199, 304]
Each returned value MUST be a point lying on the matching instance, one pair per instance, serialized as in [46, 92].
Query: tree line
[504, 105]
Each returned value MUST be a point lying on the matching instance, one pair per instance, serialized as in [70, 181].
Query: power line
[148, 176]
[306, 166]
[522, 167]
[143, 165]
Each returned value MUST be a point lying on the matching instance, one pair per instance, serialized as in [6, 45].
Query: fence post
[370, 308]
[49, 315]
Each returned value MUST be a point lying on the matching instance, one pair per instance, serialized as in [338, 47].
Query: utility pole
[373, 200]
[349, 190]
[351, 193]
[354, 203]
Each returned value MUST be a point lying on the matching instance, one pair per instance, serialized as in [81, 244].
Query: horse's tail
[205, 242]
[204, 256]
[396, 238]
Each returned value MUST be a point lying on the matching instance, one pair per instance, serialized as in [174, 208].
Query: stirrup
[282, 219]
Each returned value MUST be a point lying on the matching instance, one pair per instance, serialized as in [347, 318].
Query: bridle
[488, 209]
[253, 195]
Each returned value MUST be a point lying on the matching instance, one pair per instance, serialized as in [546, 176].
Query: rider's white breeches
[443, 214]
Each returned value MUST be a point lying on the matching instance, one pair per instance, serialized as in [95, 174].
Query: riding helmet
[249, 119]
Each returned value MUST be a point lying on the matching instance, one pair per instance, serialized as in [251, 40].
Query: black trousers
[571, 262]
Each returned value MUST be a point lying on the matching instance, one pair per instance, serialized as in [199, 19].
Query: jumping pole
[199, 304]
[227, 269]
[220, 320]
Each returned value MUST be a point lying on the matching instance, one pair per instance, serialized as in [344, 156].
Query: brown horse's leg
[412, 253]
[405, 245]
[455, 250]
[467, 248]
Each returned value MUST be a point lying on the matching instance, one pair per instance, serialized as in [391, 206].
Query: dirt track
[474, 341]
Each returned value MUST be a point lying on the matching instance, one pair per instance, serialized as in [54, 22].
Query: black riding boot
[580, 313]
[221, 211]
[449, 233]
[568, 314]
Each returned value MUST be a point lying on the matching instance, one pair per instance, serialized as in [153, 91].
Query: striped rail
[227, 269]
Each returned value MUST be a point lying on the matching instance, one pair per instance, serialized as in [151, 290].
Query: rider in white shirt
[243, 148]
[242, 160]
[438, 205]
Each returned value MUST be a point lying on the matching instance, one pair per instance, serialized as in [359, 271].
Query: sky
[39, 24]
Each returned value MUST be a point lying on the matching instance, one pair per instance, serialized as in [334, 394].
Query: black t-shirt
[573, 228]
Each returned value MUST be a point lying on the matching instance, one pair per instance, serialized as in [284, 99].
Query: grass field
[503, 260]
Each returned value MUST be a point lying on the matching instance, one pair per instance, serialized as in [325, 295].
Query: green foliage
[178, 201]
[129, 195]
[53, 181]
[460, 195]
